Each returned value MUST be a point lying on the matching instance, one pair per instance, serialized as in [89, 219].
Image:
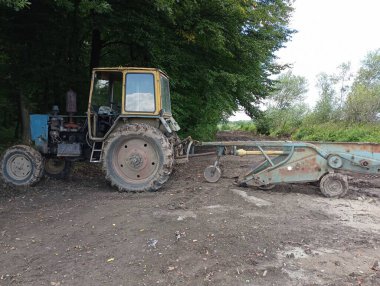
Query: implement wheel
[138, 157]
[334, 185]
[21, 166]
[212, 174]
[57, 168]
[267, 187]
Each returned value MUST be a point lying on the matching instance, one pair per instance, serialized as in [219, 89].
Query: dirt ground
[83, 232]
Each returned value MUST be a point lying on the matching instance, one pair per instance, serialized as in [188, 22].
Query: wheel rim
[212, 174]
[334, 187]
[19, 167]
[136, 160]
[54, 166]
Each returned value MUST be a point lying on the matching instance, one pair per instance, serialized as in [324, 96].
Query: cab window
[165, 94]
[107, 90]
[140, 92]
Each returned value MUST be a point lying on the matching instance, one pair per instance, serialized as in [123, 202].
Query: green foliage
[289, 90]
[219, 53]
[369, 73]
[339, 132]
[286, 109]
[263, 125]
[324, 110]
[283, 123]
[343, 113]
[16, 5]
[363, 102]
[242, 125]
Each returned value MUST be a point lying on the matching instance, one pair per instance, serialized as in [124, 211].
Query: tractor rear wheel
[137, 157]
[57, 168]
[21, 166]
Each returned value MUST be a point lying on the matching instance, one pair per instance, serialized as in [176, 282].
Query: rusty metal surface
[292, 162]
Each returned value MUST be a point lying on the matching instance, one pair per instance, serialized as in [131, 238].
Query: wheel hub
[135, 161]
[19, 167]
[212, 174]
[335, 187]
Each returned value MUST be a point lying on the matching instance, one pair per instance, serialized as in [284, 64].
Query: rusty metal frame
[303, 161]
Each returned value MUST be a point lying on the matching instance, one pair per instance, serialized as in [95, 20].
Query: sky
[329, 32]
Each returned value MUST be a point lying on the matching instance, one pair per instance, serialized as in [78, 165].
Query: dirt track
[83, 232]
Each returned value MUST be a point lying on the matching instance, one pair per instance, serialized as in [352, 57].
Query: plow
[328, 164]
[130, 130]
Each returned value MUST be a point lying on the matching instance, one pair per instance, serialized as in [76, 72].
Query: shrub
[339, 131]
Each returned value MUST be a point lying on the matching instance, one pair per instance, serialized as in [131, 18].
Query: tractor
[128, 128]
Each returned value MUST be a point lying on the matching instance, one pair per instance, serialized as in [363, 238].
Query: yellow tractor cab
[133, 95]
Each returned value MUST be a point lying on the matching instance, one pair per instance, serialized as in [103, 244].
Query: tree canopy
[219, 54]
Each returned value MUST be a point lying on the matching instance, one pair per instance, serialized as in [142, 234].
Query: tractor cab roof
[130, 69]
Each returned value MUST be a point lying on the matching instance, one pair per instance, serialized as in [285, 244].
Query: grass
[339, 131]
[238, 126]
[329, 132]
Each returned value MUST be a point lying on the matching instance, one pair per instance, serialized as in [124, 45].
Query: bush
[339, 132]
[238, 126]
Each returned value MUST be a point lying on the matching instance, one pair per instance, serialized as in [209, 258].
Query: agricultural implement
[299, 162]
[130, 130]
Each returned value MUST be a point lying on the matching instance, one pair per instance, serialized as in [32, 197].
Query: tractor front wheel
[57, 168]
[138, 157]
[21, 166]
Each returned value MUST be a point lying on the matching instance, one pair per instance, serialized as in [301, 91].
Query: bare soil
[81, 231]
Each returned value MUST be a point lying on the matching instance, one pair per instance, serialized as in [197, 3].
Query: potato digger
[130, 130]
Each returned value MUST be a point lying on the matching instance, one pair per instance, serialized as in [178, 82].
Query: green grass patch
[238, 126]
[339, 132]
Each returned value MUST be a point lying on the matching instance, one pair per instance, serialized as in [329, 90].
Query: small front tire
[57, 168]
[21, 166]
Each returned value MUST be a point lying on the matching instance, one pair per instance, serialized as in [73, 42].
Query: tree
[219, 53]
[15, 4]
[286, 107]
[363, 103]
[288, 90]
[44, 53]
[325, 108]
[342, 78]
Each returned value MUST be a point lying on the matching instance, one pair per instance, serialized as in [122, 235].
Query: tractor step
[97, 152]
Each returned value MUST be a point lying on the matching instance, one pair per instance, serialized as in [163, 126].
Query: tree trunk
[96, 49]
[25, 122]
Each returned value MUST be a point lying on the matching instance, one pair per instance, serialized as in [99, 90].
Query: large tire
[21, 166]
[57, 168]
[137, 157]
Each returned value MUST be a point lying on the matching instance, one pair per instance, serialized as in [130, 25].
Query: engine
[66, 137]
